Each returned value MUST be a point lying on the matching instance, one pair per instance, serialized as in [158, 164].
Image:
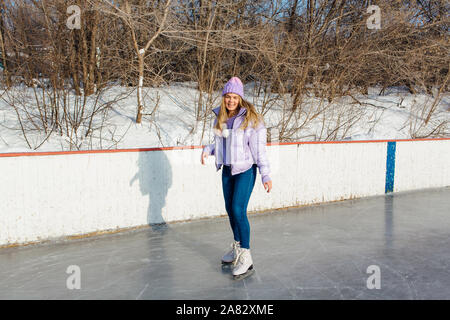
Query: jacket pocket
[237, 145]
[247, 147]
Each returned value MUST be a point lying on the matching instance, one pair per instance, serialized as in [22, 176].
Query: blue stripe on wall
[390, 167]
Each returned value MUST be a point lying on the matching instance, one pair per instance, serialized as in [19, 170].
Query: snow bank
[396, 114]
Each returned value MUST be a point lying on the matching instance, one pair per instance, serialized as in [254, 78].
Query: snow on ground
[396, 114]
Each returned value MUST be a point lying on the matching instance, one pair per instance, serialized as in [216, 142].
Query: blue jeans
[237, 190]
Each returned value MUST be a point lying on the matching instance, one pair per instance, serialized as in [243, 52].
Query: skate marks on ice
[245, 275]
[227, 268]
[319, 252]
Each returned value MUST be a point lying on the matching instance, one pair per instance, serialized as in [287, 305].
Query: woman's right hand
[204, 156]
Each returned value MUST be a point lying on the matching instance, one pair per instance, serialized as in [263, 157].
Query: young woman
[239, 145]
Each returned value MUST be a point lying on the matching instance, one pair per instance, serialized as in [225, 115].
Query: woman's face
[231, 101]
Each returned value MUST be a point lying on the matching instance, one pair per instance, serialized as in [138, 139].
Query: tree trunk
[141, 81]
[2, 44]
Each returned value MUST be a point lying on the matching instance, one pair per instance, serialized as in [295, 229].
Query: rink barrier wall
[70, 194]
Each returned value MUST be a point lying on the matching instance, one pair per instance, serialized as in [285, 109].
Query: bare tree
[146, 23]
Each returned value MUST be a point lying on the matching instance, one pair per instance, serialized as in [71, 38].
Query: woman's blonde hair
[252, 116]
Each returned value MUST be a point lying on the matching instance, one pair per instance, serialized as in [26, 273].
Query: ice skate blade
[249, 272]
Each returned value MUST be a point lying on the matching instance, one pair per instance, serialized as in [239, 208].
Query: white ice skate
[243, 264]
[230, 256]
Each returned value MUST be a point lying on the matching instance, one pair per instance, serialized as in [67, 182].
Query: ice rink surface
[338, 250]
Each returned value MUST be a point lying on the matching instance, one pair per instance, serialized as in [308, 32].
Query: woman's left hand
[268, 186]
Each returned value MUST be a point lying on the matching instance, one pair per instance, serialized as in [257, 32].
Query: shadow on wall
[155, 179]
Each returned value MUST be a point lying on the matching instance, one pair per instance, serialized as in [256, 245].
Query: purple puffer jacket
[243, 147]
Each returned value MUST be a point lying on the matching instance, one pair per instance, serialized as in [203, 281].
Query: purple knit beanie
[234, 85]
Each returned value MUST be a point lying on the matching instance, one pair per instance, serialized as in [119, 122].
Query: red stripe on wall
[53, 153]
